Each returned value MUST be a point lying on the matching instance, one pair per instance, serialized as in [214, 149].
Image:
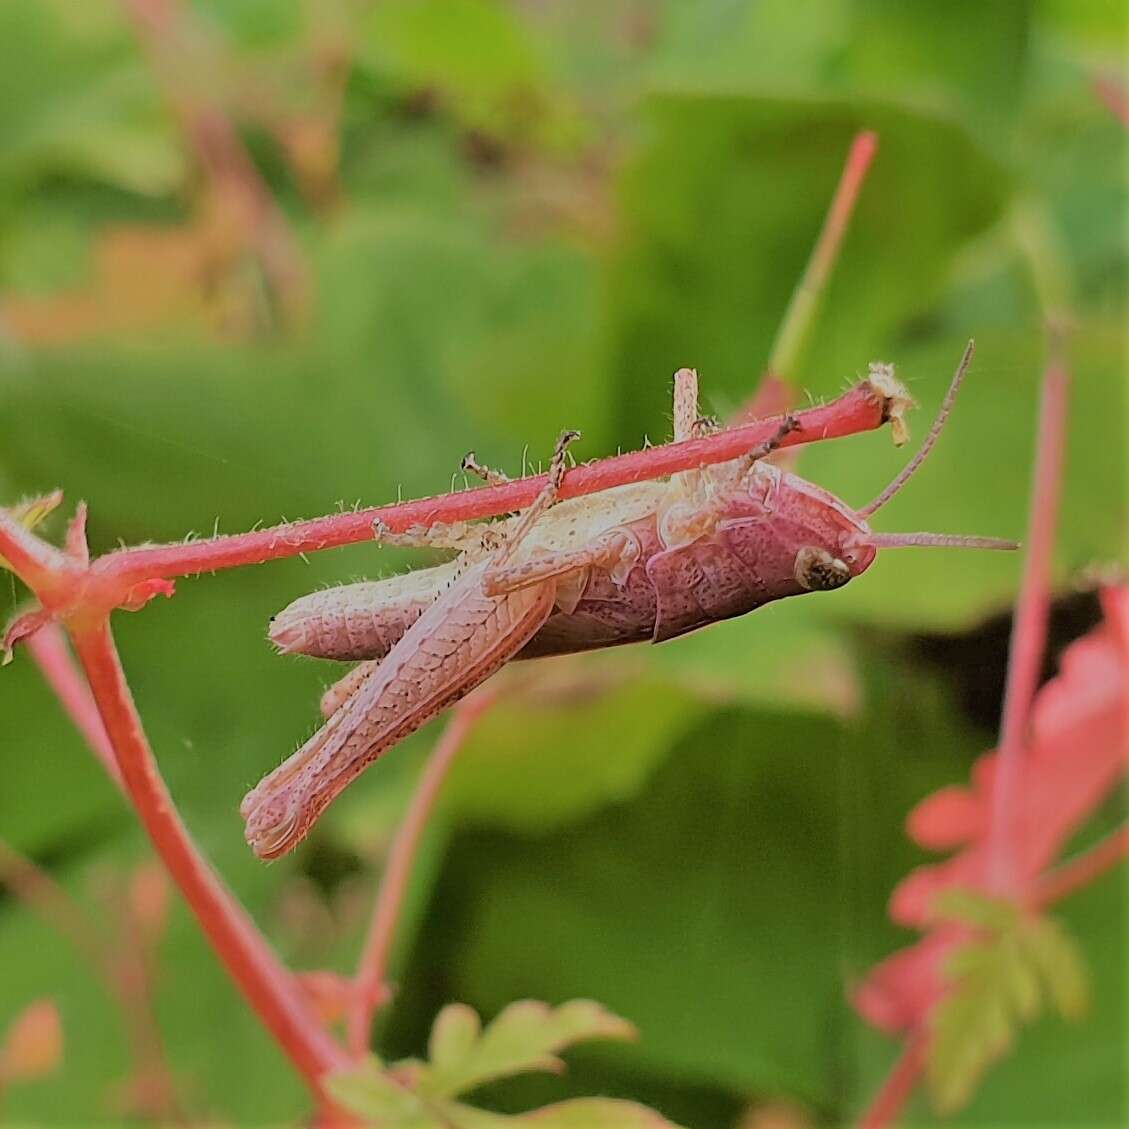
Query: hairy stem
[369, 981]
[1029, 628]
[268, 986]
[862, 408]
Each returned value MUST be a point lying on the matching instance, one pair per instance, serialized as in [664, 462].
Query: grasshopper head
[857, 546]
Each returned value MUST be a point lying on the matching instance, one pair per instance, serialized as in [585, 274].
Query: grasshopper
[647, 561]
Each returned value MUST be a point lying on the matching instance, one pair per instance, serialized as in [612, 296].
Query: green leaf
[78, 100]
[371, 1092]
[539, 759]
[481, 56]
[729, 857]
[453, 1035]
[525, 1036]
[975, 908]
[1056, 956]
[1001, 980]
[693, 281]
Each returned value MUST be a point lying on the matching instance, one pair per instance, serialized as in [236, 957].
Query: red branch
[1081, 870]
[804, 303]
[48, 647]
[168, 34]
[1112, 93]
[898, 1086]
[1029, 628]
[268, 986]
[39, 891]
[860, 409]
[368, 986]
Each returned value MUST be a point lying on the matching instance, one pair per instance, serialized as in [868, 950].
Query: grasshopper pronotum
[648, 561]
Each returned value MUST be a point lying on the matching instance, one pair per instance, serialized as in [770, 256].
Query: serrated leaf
[970, 907]
[525, 1036]
[1001, 981]
[1020, 980]
[1059, 961]
[453, 1034]
[970, 1029]
[370, 1092]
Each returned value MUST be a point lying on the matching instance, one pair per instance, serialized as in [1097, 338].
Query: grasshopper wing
[463, 638]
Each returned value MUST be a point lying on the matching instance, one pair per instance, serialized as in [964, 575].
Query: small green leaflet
[463, 1055]
[1000, 979]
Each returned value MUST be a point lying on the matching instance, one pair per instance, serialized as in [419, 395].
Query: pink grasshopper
[652, 560]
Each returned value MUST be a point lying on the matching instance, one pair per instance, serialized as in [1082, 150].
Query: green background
[543, 210]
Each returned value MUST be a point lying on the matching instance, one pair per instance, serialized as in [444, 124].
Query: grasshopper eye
[818, 571]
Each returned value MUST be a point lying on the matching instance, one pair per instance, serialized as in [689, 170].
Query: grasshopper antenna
[936, 540]
[908, 470]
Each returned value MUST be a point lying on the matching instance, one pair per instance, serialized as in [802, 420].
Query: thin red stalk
[268, 986]
[121, 969]
[1029, 627]
[134, 972]
[377, 948]
[804, 303]
[40, 892]
[1083, 869]
[860, 409]
[898, 1086]
[1112, 93]
[48, 647]
[160, 25]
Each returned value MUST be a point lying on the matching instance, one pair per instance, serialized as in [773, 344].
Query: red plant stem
[1112, 93]
[860, 409]
[369, 981]
[38, 564]
[161, 27]
[1081, 870]
[898, 1087]
[48, 647]
[37, 890]
[1029, 628]
[268, 986]
[121, 967]
[804, 303]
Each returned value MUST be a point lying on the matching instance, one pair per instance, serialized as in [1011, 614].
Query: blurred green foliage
[513, 218]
